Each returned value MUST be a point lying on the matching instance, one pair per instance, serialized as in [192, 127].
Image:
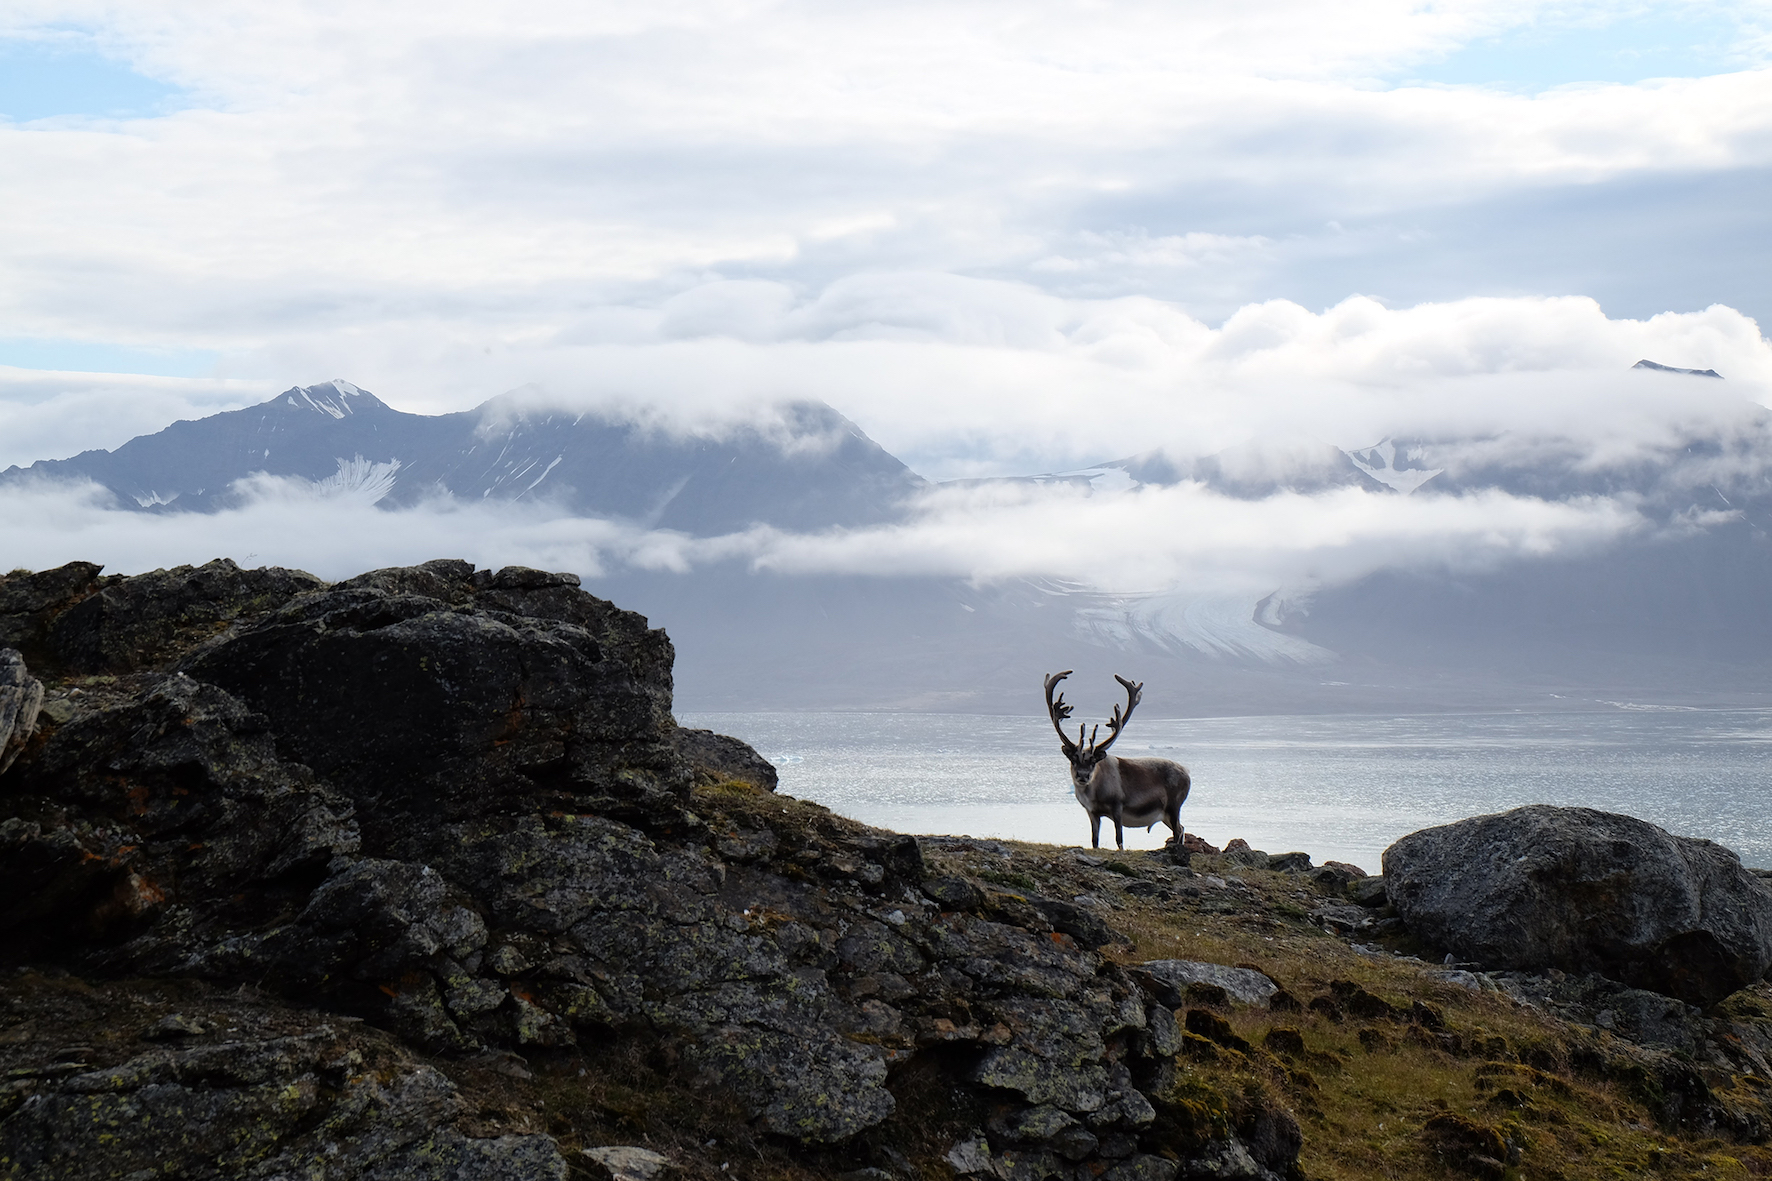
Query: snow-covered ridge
[1660, 368]
[1380, 462]
[330, 397]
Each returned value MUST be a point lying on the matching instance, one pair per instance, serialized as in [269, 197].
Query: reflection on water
[1332, 785]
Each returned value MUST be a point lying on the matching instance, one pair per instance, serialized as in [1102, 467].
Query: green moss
[1192, 1111]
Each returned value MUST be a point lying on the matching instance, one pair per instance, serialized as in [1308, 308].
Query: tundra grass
[1520, 1095]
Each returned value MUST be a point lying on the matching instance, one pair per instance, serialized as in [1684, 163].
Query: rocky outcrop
[1584, 891]
[21, 696]
[452, 804]
[198, 1083]
[714, 757]
[1169, 981]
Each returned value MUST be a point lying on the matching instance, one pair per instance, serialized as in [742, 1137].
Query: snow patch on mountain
[360, 479]
[1102, 480]
[152, 499]
[1645, 363]
[329, 397]
[1380, 462]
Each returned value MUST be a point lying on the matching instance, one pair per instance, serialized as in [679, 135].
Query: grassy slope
[1385, 1095]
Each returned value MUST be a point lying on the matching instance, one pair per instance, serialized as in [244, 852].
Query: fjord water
[1335, 786]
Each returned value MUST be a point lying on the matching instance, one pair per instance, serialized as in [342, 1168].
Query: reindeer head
[1086, 756]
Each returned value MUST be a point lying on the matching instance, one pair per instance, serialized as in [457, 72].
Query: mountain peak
[337, 398]
[1660, 368]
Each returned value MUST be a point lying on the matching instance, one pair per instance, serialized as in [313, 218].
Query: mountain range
[805, 467]
[1675, 614]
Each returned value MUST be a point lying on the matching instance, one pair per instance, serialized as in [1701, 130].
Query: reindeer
[1131, 791]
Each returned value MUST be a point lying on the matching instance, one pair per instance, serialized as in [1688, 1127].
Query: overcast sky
[1002, 237]
[689, 200]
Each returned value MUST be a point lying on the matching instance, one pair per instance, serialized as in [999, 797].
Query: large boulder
[438, 693]
[1586, 891]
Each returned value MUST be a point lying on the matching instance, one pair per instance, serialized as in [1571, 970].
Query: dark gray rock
[1586, 891]
[287, 1094]
[1168, 980]
[717, 756]
[1368, 892]
[133, 623]
[1343, 918]
[449, 1155]
[1635, 1014]
[30, 602]
[1225, 1160]
[1046, 1126]
[1289, 862]
[1056, 1056]
[172, 1027]
[1143, 1168]
[21, 697]
[1081, 924]
[1238, 852]
[428, 699]
[953, 893]
[624, 1162]
[187, 824]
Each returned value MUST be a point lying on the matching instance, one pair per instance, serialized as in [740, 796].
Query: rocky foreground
[414, 876]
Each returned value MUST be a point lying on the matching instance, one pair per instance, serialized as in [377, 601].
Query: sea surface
[1335, 786]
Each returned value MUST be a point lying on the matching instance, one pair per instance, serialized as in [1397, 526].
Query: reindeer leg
[1095, 830]
[1119, 835]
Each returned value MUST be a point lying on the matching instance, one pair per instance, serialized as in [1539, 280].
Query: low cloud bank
[51, 415]
[966, 377]
[1183, 537]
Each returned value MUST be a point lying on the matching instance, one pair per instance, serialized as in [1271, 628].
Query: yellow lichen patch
[729, 789]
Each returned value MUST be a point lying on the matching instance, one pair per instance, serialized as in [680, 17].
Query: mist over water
[1335, 786]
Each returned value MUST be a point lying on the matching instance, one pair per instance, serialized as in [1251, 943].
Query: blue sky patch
[43, 79]
[79, 356]
[1667, 41]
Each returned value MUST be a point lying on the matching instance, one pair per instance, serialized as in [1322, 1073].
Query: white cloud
[330, 531]
[46, 415]
[478, 177]
[964, 376]
[1182, 539]
[968, 376]
[1188, 538]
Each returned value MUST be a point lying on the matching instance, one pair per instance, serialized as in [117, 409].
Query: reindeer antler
[1058, 711]
[1134, 694]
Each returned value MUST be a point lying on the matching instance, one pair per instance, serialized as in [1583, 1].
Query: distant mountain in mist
[808, 468]
[1679, 613]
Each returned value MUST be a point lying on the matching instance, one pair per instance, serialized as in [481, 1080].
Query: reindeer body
[1135, 792]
